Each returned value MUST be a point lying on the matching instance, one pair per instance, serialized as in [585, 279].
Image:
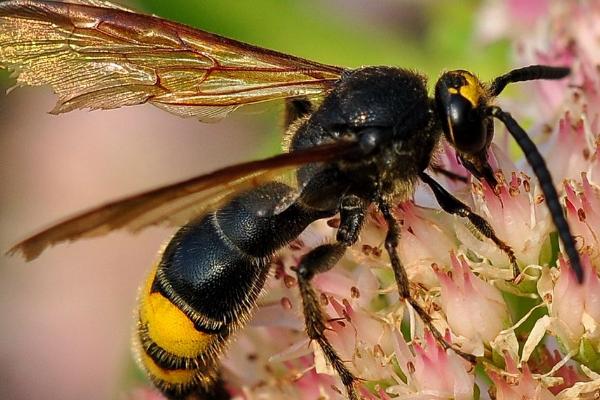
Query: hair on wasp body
[370, 140]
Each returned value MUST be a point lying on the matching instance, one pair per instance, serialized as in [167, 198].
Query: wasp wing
[180, 202]
[99, 56]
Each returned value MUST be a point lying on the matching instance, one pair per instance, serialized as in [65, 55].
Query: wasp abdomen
[206, 283]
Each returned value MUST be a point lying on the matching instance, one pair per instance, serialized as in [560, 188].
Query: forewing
[99, 56]
[181, 202]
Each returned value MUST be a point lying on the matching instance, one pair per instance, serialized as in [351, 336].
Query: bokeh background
[66, 318]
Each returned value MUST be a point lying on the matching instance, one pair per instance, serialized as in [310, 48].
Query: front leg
[321, 259]
[391, 243]
[452, 205]
[453, 176]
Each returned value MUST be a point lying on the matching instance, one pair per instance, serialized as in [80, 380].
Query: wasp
[354, 138]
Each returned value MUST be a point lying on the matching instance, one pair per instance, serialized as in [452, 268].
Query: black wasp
[369, 141]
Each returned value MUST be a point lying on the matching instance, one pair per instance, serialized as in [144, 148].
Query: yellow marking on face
[174, 377]
[472, 91]
[169, 327]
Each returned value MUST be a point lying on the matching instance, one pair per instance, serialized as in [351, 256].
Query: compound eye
[459, 97]
[464, 125]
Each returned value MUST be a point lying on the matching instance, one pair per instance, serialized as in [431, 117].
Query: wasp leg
[391, 243]
[449, 174]
[321, 259]
[352, 216]
[452, 205]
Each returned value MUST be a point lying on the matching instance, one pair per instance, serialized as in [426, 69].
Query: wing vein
[91, 56]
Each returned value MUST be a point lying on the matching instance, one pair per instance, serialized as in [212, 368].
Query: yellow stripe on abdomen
[176, 356]
[166, 377]
[168, 327]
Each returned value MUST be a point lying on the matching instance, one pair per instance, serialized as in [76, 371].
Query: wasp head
[461, 100]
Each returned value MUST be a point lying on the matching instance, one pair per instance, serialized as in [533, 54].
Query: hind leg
[321, 259]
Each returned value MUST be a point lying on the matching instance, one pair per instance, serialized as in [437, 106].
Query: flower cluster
[538, 337]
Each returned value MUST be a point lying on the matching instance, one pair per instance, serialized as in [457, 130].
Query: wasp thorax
[459, 98]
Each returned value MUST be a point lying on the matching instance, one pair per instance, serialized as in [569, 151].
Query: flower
[547, 361]
[574, 312]
[517, 213]
[516, 383]
[431, 372]
[421, 227]
[583, 214]
[474, 308]
[571, 148]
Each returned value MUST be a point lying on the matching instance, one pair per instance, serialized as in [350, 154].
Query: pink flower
[516, 383]
[570, 149]
[575, 309]
[583, 214]
[545, 362]
[517, 213]
[431, 372]
[511, 17]
[474, 309]
[420, 228]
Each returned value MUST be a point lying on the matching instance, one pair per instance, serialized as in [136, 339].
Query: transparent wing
[99, 56]
[181, 202]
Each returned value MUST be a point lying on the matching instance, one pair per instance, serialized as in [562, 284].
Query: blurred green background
[67, 316]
